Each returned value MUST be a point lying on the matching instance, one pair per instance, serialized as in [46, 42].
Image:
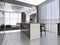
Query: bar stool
[42, 28]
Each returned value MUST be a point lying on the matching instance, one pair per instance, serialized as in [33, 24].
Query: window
[12, 18]
[7, 18]
[19, 18]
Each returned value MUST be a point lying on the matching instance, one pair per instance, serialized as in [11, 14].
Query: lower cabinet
[58, 28]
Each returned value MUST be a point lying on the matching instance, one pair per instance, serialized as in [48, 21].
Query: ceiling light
[33, 2]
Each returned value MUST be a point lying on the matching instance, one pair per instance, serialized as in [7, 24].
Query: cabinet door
[23, 17]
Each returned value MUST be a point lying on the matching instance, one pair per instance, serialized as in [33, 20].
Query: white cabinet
[34, 31]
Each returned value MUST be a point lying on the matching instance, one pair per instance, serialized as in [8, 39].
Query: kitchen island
[33, 32]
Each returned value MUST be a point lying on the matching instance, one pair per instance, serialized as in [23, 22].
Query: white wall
[1, 5]
[49, 14]
[59, 10]
[1, 18]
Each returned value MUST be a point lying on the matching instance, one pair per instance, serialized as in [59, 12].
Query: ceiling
[33, 2]
[13, 7]
[7, 7]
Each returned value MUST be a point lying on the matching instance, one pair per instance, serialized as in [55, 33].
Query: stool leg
[41, 33]
[45, 32]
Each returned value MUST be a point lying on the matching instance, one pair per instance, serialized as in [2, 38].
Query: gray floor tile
[18, 38]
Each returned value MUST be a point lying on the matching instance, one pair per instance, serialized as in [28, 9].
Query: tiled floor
[49, 39]
[18, 38]
[1, 38]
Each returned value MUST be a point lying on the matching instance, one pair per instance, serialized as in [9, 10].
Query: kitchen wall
[49, 14]
[33, 17]
[30, 12]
